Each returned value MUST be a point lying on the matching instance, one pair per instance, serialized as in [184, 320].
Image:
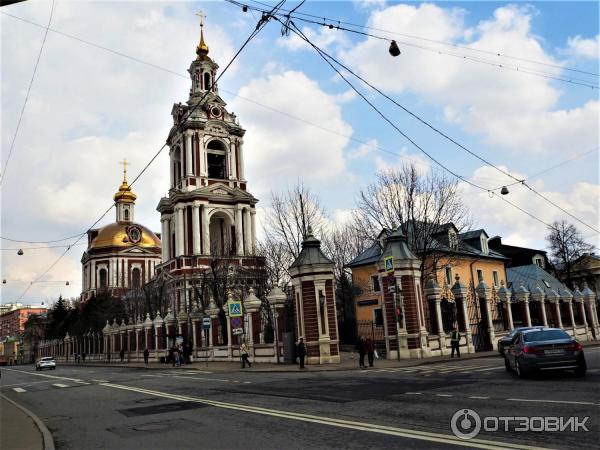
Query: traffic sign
[206, 323]
[236, 322]
[237, 331]
[388, 264]
[235, 308]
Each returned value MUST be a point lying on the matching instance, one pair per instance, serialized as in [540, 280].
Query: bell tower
[208, 210]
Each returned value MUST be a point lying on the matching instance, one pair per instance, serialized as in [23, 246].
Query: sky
[93, 104]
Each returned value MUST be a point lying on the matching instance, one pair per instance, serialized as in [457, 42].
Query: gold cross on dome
[125, 164]
[202, 17]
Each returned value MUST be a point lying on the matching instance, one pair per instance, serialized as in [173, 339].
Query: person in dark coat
[146, 356]
[301, 352]
[370, 351]
[361, 348]
[122, 354]
[455, 342]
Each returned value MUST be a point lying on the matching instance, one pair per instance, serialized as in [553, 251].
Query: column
[179, 233]
[165, 238]
[527, 313]
[241, 154]
[558, 317]
[188, 154]
[253, 230]
[239, 240]
[205, 231]
[571, 315]
[484, 292]
[544, 318]
[233, 160]
[581, 307]
[196, 227]
[93, 275]
[247, 231]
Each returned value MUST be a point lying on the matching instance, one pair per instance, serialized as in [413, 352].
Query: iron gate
[478, 322]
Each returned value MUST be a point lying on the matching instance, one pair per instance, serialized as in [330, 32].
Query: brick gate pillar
[460, 292]
[316, 318]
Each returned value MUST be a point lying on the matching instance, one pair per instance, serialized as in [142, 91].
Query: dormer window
[484, 245]
[538, 261]
[452, 239]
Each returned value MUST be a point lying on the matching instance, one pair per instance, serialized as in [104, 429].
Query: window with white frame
[452, 239]
[479, 275]
[496, 278]
[539, 261]
[484, 245]
[448, 274]
[375, 287]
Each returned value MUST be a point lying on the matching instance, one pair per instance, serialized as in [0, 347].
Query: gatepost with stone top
[460, 293]
[316, 316]
[403, 313]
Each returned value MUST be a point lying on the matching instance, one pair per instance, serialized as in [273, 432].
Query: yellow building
[449, 254]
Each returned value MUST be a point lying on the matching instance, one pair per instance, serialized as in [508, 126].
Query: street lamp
[394, 49]
[20, 252]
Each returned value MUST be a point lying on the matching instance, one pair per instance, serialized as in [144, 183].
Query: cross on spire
[202, 47]
[125, 164]
[202, 16]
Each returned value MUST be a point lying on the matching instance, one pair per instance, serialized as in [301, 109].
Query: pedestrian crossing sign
[388, 264]
[235, 308]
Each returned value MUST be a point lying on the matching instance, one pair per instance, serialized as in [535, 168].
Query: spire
[202, 49]
[124, 194]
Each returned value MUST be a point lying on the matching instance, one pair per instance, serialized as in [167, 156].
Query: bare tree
[290, 215]
[566, 245]
[417, 203]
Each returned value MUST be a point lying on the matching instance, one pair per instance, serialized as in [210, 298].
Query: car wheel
[520, 371]
[580, 371]
[507, 365]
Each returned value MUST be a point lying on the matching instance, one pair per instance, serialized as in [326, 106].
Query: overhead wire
[449, 44]
[322, 54]
[520, 69]
[259, 26]
[35, 67]
[327, 57]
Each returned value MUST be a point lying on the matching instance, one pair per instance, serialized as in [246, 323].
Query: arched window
[206, 81]
[217, 160]
[126, 214]
[103, 279]
[135, 278]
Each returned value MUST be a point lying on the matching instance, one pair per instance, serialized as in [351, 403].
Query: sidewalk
[21, 428]
[349, 361]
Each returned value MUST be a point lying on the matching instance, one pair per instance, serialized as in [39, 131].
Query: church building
[208, 213]
[122, 255]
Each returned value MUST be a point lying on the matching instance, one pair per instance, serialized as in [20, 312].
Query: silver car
[540, 349]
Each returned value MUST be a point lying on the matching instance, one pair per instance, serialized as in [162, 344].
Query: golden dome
[120, 234]
[125, 194]
[202, 49]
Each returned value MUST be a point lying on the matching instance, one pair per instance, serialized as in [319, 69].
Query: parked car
[505, 341]
[539, 349]
[47, 362]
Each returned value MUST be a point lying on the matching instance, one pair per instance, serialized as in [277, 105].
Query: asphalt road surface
[120, 408]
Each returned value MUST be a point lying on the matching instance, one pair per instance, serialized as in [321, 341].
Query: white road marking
[60, 385]
[413, 393]
[24, 384]
[480, 398]
[193, 378]
[19, 390]
[348, 424]
[548, 401]
[76, 380]
[444, 395]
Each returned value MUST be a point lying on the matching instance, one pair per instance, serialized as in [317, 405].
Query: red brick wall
[311, 326]
[410, 309]
[390, 313]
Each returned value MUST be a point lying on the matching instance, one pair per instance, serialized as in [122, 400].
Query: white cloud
[363, 150]
[369, 4]
[280, 149]
[580, 47]
[500, 218]
[517, 111]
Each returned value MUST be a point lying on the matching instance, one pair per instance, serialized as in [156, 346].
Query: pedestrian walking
[146, 356]
[370, 351]
[244, 353]
[361, 348]
[301, 352]
[455, 342]
[83, 356]
[122, 354]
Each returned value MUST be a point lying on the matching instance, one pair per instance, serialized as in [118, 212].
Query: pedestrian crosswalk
[438, 369]
[36, 387]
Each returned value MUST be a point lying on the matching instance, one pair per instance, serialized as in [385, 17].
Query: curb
[46, 435]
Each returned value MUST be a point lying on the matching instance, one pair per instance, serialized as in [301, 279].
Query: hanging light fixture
[20, 252]
[67, 283]
[504, 190]
[4, 281]
[394, 50]
[245, 8]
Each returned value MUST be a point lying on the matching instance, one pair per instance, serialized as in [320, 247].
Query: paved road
[118, 408]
